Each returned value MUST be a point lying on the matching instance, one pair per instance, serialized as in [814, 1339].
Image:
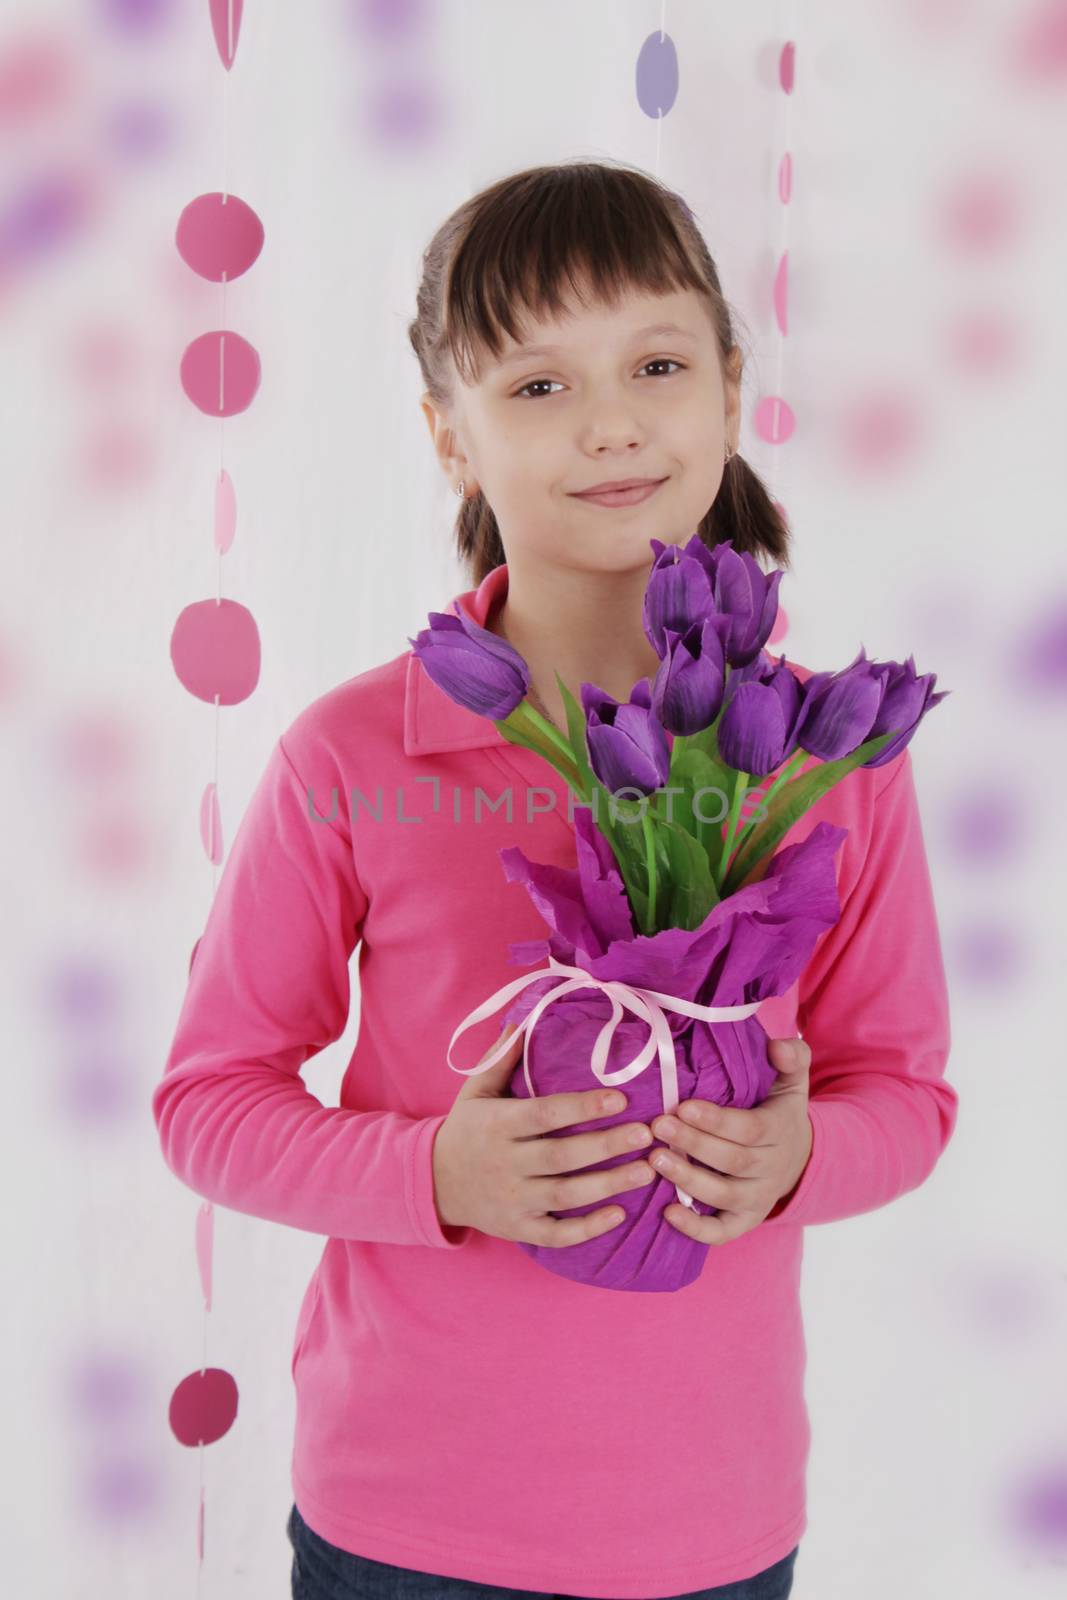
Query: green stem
[525, 727]
[788, 771]
[650, 861]
[549, 729]
[792, 765]
[740, 784]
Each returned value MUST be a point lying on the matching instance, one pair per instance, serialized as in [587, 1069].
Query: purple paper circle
[657, 75]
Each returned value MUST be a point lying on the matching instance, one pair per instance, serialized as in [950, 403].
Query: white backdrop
[925, 366]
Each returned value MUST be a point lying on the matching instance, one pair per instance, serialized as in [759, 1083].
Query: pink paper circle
[219, 236]
[203, 1407]
[210, 824]
[220, 373]
[215, 651]
[781, 293]
[787, 62]
[226, 25]
[774, 420]
[785, 178]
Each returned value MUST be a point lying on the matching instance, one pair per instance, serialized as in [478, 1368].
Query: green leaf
[695, 770]
[706, 744]
[788, 806]
[576, 735]
[692, 888]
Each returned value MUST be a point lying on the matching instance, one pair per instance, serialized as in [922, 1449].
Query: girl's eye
[657, 361]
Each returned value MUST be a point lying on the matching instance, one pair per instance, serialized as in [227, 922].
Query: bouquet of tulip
[686, 921]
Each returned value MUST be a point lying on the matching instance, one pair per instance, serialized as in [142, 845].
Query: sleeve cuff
[418, 1189]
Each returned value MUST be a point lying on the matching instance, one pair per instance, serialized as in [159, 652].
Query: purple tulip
[741, 591]
[677, 595]
[688, 688]
[758, 728]
[840, 708]
[906, 698]
[474, 667]
[627, 745]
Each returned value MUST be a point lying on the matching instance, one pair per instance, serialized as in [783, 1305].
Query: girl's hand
[499, 1165]
[758, 1154]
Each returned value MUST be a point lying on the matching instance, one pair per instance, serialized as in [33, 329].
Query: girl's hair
[515, 246]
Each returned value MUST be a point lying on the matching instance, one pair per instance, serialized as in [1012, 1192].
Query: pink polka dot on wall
[117, 455]
[984, 343]
[113, 845]
[981, 213]
[1038, 53]
[104, 355]
[220, 373]
[215, 650]
[781, 627]
[879, 431]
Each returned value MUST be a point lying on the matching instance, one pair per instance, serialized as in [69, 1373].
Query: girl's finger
[709, 1230]
[714, 1188]
[737, 1160]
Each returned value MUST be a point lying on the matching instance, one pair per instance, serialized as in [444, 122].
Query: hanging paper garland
[215, 645]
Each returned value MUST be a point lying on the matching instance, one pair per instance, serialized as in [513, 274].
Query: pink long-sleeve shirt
[459, 1409]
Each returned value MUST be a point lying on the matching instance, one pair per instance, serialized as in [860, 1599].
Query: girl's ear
[430, 413]
[732, 380]
[440, 433]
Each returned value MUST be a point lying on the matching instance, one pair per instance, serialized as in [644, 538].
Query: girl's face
[607, 395]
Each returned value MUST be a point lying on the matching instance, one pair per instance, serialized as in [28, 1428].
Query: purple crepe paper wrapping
[751, 946]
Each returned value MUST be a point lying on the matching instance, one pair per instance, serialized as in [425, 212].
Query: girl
[468, 1424]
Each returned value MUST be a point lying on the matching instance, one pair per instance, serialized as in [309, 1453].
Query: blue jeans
[323, 1572]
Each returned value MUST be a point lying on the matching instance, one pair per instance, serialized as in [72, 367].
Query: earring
[729, 453]
[459, 491]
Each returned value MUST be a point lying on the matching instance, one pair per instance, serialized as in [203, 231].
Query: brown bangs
[535, 242]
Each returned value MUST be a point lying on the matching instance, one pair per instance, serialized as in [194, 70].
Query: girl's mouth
[622, 497]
